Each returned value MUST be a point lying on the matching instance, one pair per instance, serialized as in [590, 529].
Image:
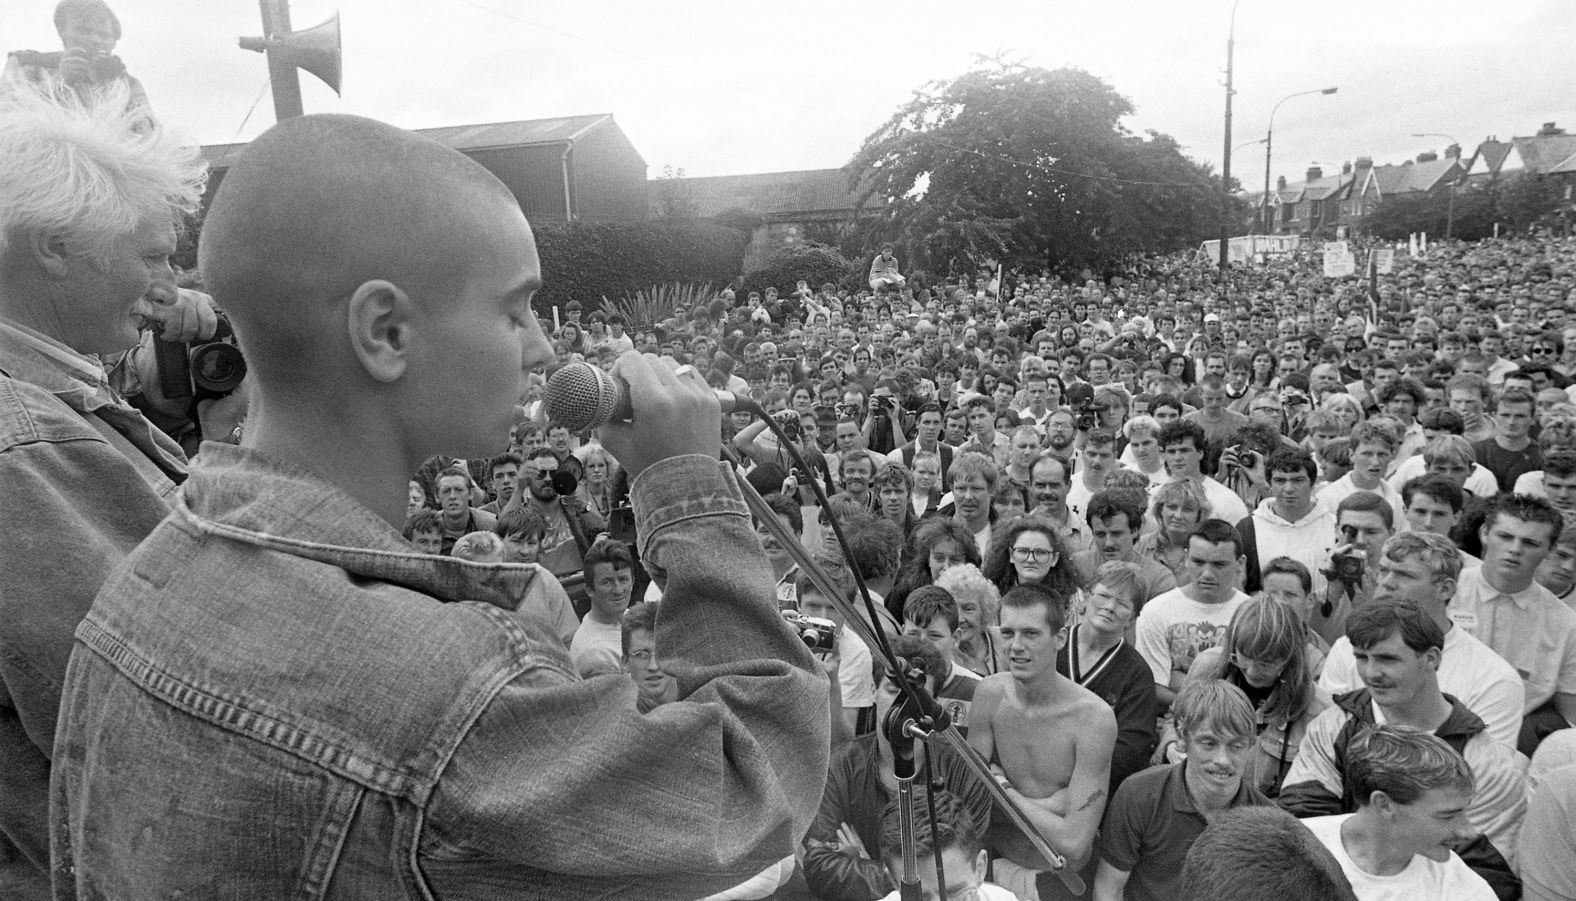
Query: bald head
[319, 205]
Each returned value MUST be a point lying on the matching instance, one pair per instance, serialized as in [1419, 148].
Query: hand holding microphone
[679, 413]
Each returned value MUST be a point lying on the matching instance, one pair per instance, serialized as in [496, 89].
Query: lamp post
[1225, 166]
[1450, 210]
[1269, 143]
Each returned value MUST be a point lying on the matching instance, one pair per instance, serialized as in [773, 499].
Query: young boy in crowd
[932, 613]
[424, 530]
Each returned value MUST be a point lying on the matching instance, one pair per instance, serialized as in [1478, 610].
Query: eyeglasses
[1037, 554]
[1542, 350]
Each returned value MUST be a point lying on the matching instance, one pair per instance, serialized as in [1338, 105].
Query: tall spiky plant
[658, 303]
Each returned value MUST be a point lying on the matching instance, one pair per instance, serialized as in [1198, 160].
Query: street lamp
[1450, 214]
[1269, 136]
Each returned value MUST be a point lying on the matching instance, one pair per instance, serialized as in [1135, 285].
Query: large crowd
[1077, 498]
[1243, 584]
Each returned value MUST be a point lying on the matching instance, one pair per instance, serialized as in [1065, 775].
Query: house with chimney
[1550, 152]
[1428, 174]
[1314, 207]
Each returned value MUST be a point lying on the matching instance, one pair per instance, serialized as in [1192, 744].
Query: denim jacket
[84, 477]
[274, 697]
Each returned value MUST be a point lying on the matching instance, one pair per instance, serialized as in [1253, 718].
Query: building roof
[1412, 177]
[1542, 153]
[1493, 154]
[521, 133]
[1568, 165]
[768, 193]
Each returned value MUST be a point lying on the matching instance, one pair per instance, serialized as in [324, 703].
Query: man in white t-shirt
[1412, 792]
[1423, 567]
[1177, 626]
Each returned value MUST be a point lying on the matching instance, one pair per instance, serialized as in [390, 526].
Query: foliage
[1515, 203]
[739, 219]
[1027, 166]
[649, 307]
[674, 199]
[1526, 198]
[590, 261]
[813, 263]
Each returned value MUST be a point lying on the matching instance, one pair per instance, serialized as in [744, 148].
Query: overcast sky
[721, 88]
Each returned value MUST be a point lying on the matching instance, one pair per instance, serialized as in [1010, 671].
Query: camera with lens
[1346, 567]
[819, 635]
[201, 370]
[789, 421]
[1086, 416]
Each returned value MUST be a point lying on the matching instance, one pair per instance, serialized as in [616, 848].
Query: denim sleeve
[75, 507]
[570, 778]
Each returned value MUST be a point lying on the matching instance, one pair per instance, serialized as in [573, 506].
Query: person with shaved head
[275, 696]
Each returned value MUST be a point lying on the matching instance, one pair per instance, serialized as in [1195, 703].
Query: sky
[716, 88]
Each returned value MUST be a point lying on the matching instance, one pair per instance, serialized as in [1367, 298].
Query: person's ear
[379, 320]
[49, 251]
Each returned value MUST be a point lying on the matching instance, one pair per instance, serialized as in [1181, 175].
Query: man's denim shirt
[274, 697]
[84, 477]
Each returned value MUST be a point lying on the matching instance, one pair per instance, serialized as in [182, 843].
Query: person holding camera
[86, 66]
[1363, 523]
[883, 423]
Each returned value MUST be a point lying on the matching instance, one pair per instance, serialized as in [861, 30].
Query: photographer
[1363, 523]
[1242, 462]
[86, 68]
[883, 420]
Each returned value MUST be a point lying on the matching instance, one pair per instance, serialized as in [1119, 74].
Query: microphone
[580, 396]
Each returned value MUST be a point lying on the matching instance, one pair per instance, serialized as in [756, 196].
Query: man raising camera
[1363, 523]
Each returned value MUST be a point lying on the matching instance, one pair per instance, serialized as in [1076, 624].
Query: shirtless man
[1049, 741]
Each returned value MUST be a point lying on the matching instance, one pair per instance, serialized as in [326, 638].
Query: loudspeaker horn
[314, 49]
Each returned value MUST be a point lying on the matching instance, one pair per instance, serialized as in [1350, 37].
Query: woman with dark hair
[573, 338]
[1030, 550]
[1178, 366]
[937, 543]
[1262, 370]
[1266, 655]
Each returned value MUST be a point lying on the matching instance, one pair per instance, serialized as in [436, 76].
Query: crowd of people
[1251, 581]
[1341, 502]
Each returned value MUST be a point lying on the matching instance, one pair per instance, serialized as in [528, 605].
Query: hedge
[814, 263]
[590, 261]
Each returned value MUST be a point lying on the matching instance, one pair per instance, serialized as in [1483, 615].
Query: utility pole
[1225, 165]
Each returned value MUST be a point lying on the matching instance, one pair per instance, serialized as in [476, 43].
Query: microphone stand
[876, 640]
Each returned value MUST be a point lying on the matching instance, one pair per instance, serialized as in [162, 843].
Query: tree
[1026, 166]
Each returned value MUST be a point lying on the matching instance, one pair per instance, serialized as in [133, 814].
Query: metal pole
[1269, 134]
[1225, 166]
[281, 75]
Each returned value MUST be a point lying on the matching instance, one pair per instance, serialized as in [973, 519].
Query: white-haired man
[90, 196]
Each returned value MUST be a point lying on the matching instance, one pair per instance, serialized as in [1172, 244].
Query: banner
[1384, 261]
[1338, 265]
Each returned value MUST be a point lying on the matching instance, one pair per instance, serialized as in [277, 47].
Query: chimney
[1346, 168]
[1315, 173]
[1427, 156]
[1453, 152]
[1280, 183]
[1548, 130]
[1364, 163]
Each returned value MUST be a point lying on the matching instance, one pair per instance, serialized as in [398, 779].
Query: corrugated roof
[524, 132]
[766, 193]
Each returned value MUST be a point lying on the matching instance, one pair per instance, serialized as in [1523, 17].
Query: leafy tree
[814, 263]
[1026, 166]
[1525, 198]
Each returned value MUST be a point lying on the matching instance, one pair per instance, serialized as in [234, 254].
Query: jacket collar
[1461, 723]
[241, 495]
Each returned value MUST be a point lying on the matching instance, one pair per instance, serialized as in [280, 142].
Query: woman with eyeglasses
[1266, 655]
[1028, 551]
